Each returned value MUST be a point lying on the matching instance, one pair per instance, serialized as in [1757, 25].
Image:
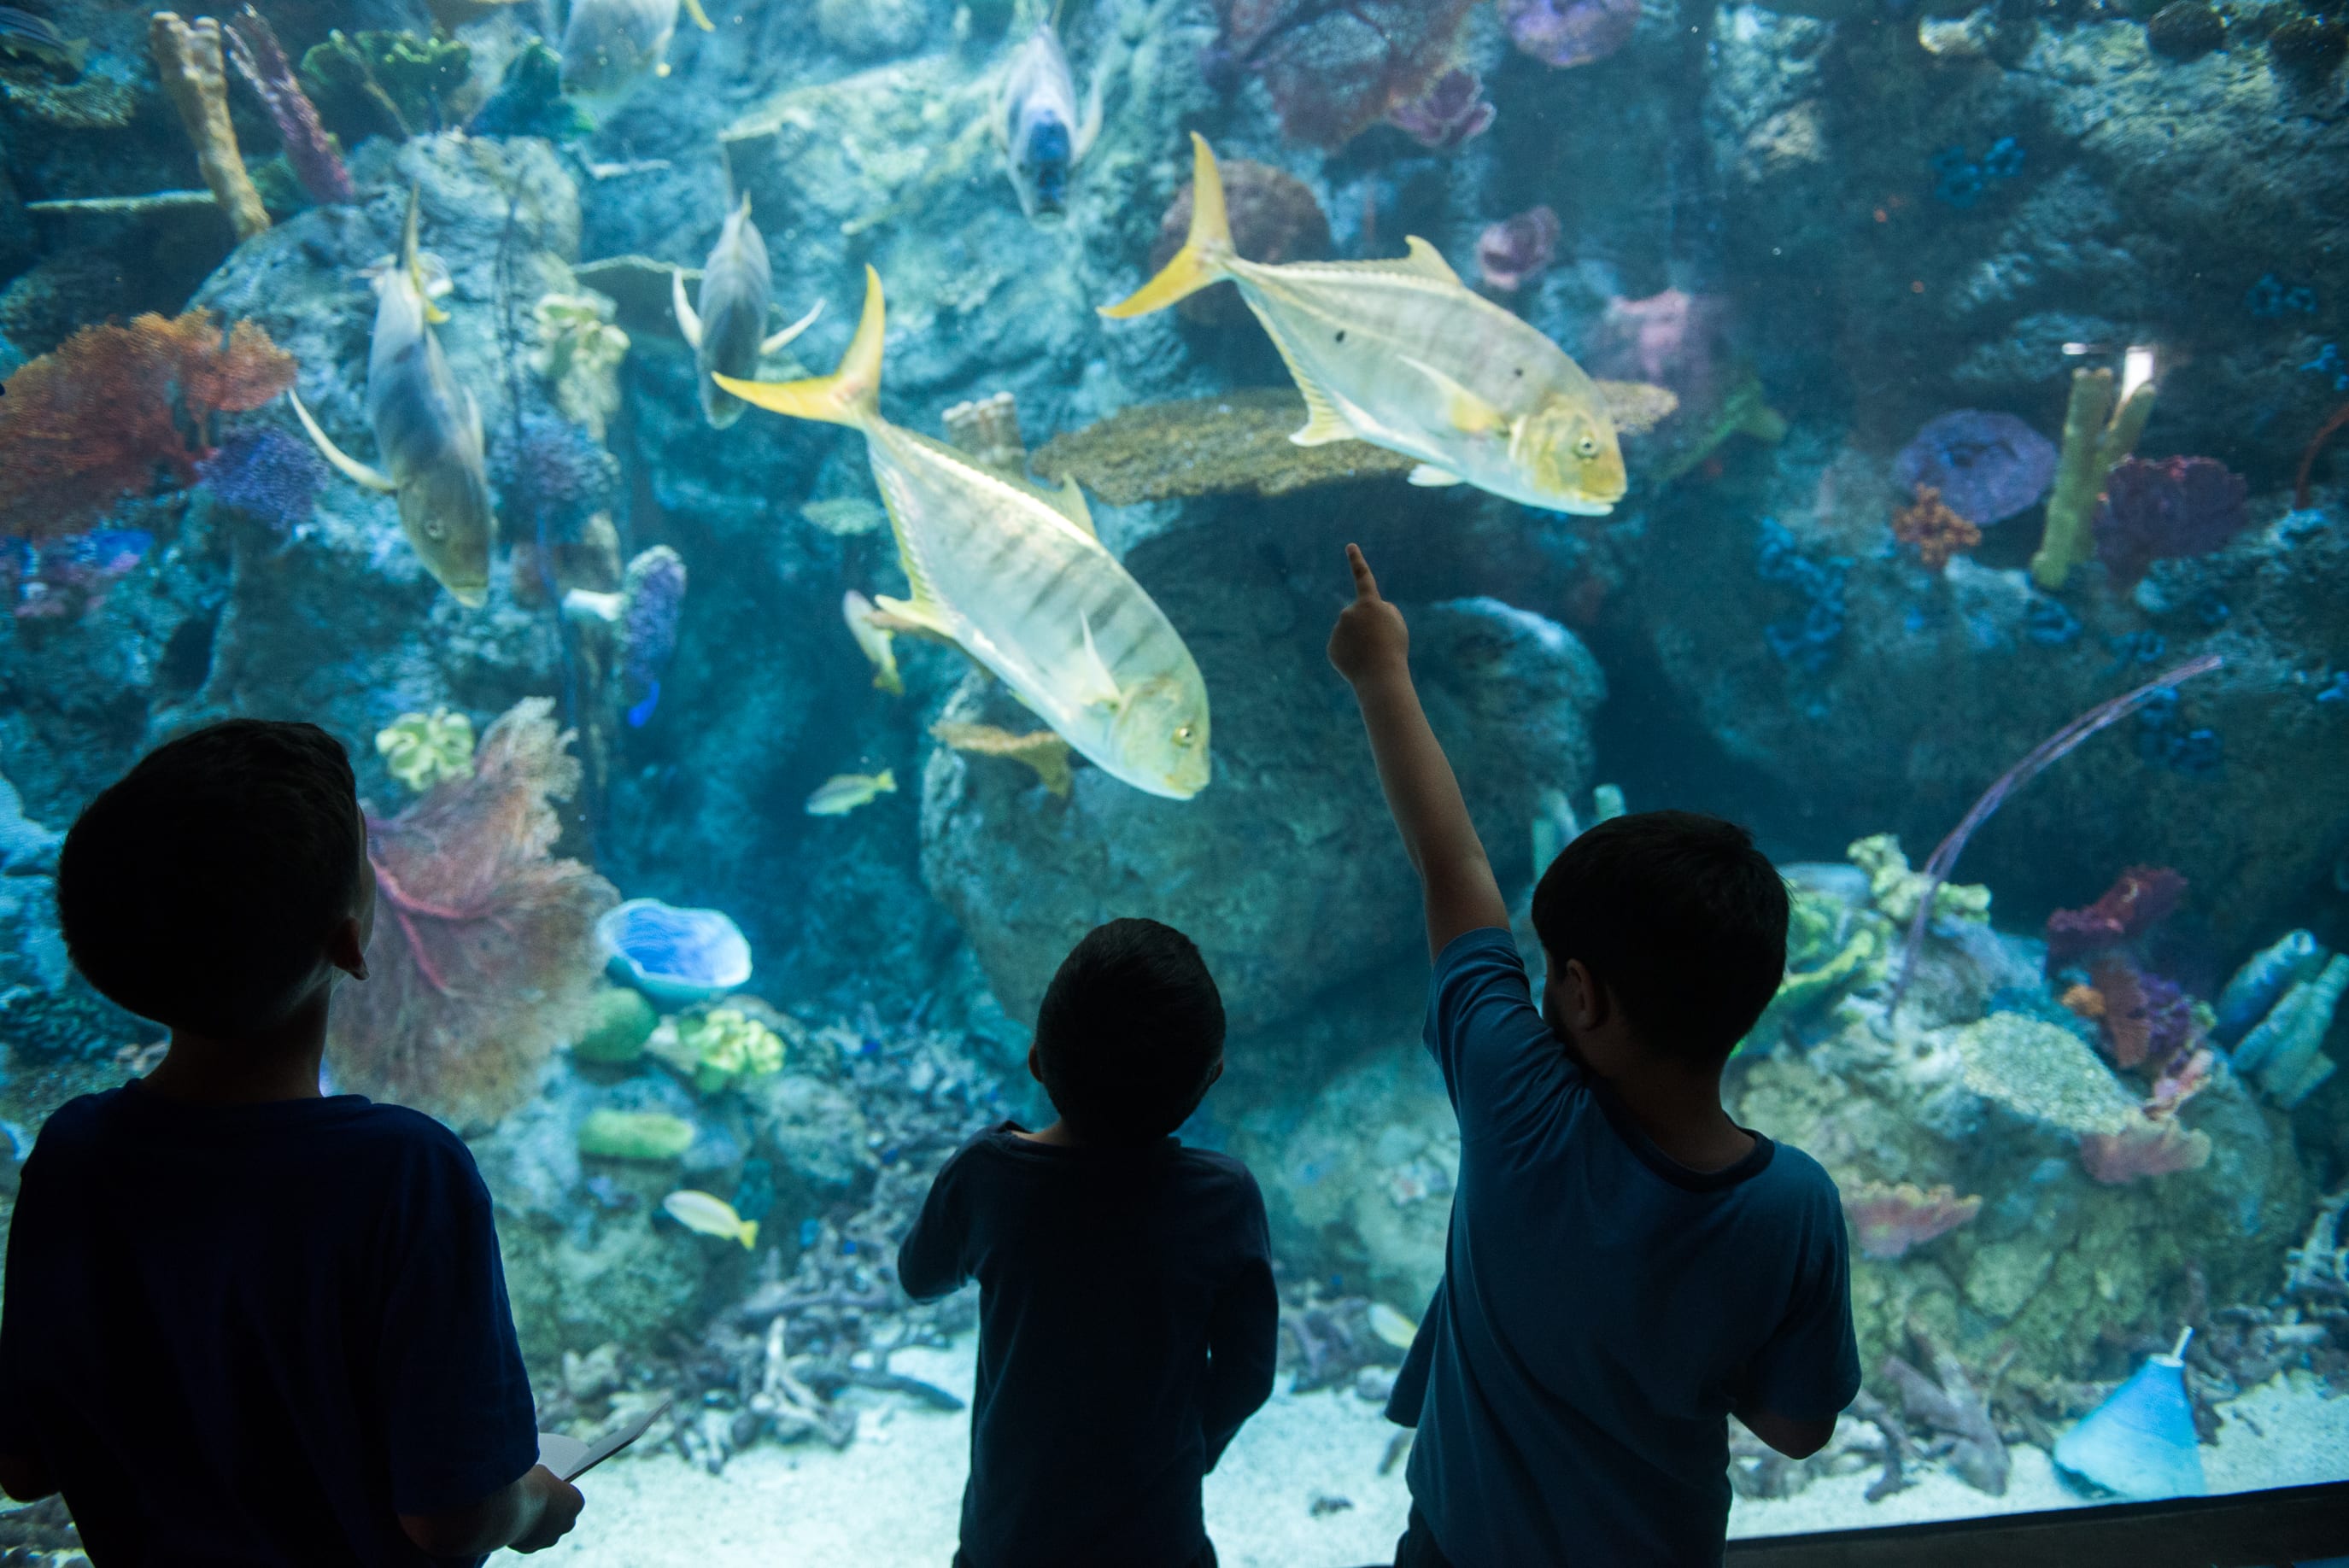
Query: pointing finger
[1366, 587]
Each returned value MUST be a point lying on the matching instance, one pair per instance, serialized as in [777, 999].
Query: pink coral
[2150, 1148]
[1452, 112]
[1887, 1221]
[1571, 32]
[1673, 339]
[484, 958]
[1515, 250]
[1335, 67]
[2140, 898]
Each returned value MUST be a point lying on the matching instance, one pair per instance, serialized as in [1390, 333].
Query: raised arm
[1372, 648]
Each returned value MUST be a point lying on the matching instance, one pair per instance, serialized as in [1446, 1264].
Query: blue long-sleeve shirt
[1128, 1326]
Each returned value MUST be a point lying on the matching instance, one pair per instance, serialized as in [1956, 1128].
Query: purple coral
[1673, 339]
[1449, 113]
[69, 578]
[1571, 32]
[1515, 250]
[265, 474]
[1887, 1221]
[1988, 467]
[1335, 67]
[2177, 506]
[653, 602]
[262, 62]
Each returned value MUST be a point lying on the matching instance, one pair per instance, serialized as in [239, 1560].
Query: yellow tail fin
[850, 395]
[1201, 260]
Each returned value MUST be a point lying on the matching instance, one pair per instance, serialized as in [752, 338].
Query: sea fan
[484, 958]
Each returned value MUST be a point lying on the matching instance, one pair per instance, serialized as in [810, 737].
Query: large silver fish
[1014, 576]
[427, 427]
[727, 326]
[1404, 356]
[607, 44]
[1043, 135]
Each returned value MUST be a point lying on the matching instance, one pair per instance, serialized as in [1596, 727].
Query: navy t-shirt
[256, 1334]
[1127, 1325]
[1602, 1306]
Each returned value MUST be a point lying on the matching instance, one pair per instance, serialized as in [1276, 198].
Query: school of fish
[1400, 354]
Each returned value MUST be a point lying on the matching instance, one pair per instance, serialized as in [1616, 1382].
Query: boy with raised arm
[1627, 1266]
[246, 1323]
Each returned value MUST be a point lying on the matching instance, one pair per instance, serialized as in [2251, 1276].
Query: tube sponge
[2100, 428]
[2282, 1054]
[187, 59]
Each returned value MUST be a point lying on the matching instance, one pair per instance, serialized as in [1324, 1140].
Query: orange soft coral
[485, 955]
[91, 422]
[1935, 531]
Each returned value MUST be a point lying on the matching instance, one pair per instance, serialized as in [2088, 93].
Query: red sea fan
[2140, 898]
[92, 421]
[1335, 67]
[484, 954]
[2158, 510]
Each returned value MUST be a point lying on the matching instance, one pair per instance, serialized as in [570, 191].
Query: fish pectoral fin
[1463, 409]
[1090, 126]
[1096, 686]
[1428, 476]
[352, 468]
[1068, 500]
[688, 323]
[701, 17]
[1323, 423]
[775, 342]
[907, 616]
[661, 69]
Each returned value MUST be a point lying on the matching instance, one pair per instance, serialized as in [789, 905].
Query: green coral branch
[2096, 435]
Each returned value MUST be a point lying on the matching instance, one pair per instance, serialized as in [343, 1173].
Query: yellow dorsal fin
[1424, 262]
[688, 323]
[1427, 260]
[1068, 500]
[1205, 255]
[850, 395]
[351, 467]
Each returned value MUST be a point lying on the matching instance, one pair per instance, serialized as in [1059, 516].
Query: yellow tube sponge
[187, 59]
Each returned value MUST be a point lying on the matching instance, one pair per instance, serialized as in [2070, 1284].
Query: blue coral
[266, 474]
[2164, 740]
[2136, 648]
[1960, 179]
[2328, 363]
[1807, 641]
[2046, 622]
[551, 477]
[2272, 296]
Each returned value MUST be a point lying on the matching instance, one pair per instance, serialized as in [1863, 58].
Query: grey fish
[608, 43]
[727, 331]
[21, 33]
[427, 426]
[1038, 124]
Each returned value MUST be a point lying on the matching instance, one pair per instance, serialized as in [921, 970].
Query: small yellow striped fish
[1391, 1325]
[1014, 576]
[873, 642]
[843, 792]
[709, 1215]
[1404, 356]
[427, 426]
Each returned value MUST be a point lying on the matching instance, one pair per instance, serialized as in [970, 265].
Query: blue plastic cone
[2140, 1442]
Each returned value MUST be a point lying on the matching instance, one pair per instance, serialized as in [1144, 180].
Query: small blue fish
[641, 713]
[1036, 121]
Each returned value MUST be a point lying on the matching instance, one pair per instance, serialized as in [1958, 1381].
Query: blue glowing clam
[676, 956]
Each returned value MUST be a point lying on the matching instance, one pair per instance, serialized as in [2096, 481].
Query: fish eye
[1183, 732]
[1588, 446]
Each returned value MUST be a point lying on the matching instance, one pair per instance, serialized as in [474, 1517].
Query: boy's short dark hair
[197, 889]
[1680, 917]
[1129, 1029]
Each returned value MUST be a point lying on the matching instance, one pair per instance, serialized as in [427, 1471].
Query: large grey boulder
[1285, 869]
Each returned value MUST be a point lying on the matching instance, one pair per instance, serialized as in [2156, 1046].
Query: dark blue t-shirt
[1602, 1306]
[1127, 1325]
[256, 1334]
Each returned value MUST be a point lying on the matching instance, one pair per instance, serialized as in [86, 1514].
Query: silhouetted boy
[1627, 1266]
[1126, 1312]
[246, 1324]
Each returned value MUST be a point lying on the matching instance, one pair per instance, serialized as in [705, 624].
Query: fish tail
[750, 1235]
[1202, 261]
[850, 396]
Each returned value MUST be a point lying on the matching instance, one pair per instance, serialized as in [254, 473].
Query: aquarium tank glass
[800, 513]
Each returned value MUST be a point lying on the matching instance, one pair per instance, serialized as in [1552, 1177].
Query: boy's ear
[347, 948]
[1036, 1062]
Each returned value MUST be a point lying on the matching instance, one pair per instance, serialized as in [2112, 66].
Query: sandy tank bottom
[1300, 1488]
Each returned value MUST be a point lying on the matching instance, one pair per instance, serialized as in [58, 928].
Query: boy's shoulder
[354, 1128]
